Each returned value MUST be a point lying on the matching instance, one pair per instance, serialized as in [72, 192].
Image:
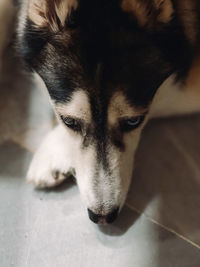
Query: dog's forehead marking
[77, 107]
[119, 107]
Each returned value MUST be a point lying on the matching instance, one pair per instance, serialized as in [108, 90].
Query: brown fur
[193, 79]
[51, 14]
[149, 13]
[119, 107]
[187, 12]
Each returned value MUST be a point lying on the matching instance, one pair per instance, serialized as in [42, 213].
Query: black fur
[135, 59]
[100, 49]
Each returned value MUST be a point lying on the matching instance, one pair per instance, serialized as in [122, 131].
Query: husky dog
[109, 66]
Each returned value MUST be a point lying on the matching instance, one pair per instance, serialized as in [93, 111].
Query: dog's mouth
[103, 219]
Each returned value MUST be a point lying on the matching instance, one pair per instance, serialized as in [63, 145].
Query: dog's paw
[51, 164]
[48, 178]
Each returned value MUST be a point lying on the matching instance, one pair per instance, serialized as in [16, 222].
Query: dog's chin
[103, 219]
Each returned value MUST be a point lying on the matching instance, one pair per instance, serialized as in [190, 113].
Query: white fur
[78, 107]
[62, 150]
[54, 154]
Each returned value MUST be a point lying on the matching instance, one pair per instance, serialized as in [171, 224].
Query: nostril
[100, 219]
[93, 217]
[111, 217]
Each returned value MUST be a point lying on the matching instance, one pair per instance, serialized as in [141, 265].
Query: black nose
[103, 219]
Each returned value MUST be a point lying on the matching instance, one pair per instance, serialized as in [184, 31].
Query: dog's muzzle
[103, 219]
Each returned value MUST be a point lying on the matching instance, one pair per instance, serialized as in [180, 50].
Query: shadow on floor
[166, 180]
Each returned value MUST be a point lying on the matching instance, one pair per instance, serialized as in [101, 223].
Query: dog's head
[102, 62]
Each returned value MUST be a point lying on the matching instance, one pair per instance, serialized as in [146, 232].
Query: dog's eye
[131, 123]
[72, 123]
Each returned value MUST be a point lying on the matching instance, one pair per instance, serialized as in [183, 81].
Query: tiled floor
[159, 226]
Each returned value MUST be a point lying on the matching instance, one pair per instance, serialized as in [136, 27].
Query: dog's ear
[50, 14]
[149, 13]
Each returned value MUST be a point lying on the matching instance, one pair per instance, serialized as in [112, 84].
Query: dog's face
[104, 137]
[102, 62]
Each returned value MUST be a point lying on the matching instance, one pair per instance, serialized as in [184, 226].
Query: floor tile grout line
[128, 205]
[163, 226]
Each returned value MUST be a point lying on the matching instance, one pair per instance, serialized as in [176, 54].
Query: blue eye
[130, 124]
[133, 121]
